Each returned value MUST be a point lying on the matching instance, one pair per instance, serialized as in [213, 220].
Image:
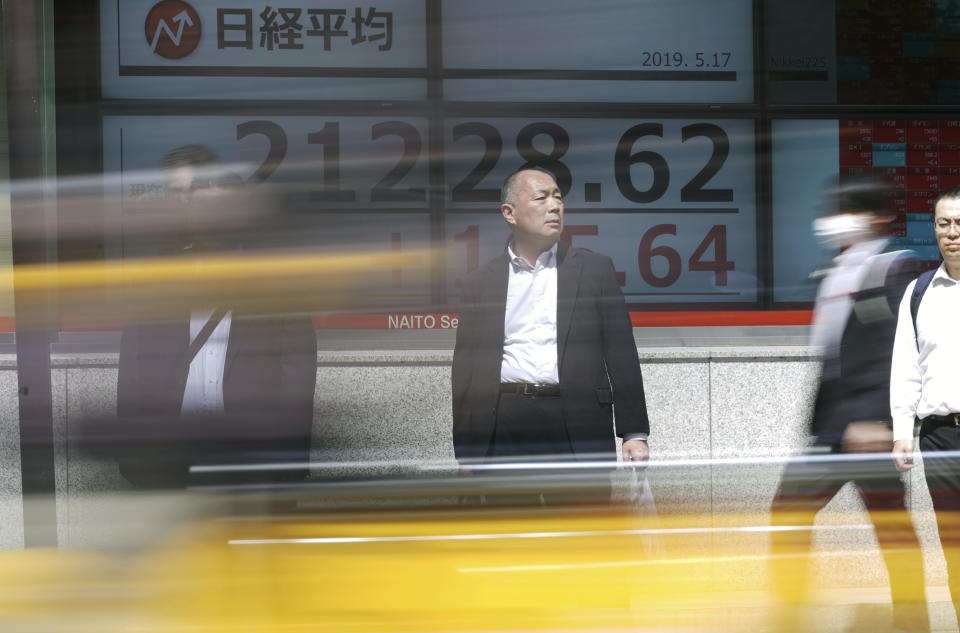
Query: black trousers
[942, 472]
[530, 426]
[531, 429]
[805, 488]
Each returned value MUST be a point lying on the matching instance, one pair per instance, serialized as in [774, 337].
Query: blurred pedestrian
[853, 324]
[216, 384]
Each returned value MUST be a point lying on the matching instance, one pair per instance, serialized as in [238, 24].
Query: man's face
[195, 209]
[947, 225]
[536, 211]
[179, 183]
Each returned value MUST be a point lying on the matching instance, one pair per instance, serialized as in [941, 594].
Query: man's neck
[530, 252]
[953, 270]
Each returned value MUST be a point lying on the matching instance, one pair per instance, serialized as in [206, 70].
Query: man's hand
[636, 452]
[867, 437]
[903, 455]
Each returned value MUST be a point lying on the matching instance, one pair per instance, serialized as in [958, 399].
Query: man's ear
[507, 210]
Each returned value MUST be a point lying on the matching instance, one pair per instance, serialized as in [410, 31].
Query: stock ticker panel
[920, 157]
[892, 52]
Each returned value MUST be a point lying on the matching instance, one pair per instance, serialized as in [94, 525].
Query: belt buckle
[529, 389]
[955, 417]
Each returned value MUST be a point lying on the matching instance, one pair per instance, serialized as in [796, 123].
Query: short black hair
[946, 194]
[860, 193]
[506, 190]
[207, 172]
[193, 155]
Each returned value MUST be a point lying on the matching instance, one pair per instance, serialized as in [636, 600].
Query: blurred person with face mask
[855, 317]
[217, 383]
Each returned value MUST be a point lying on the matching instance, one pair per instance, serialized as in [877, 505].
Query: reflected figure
[217, 384]
[924, 381]
[544, 345]
[854, 324]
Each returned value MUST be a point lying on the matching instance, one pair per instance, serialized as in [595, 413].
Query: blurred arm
[904, 383]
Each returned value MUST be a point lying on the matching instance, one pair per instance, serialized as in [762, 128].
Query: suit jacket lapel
[568, 280]
[495, 300]
[176, 337]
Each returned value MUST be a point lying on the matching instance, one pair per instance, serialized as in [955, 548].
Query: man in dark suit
[265, 405]
[545, 349]
[214, 384]
[854, 324]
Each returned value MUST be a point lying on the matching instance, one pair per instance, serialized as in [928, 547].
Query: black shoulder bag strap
[204, 334]
[923, 281]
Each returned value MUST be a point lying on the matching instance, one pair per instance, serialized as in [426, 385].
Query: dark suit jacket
[855, 382]
[268, 391]
[597, 355]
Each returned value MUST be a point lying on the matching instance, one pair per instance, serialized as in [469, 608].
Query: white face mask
[841, 230]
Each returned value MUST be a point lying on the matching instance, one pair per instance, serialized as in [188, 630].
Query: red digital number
[648, 251]
[718, 237]
[571, 231]
[719, 265]
[471, 237]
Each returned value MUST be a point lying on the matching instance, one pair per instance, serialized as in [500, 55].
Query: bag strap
[871, 302]
[204, 334]
[923, 281]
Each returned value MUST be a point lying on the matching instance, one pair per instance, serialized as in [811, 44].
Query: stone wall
[391, 411]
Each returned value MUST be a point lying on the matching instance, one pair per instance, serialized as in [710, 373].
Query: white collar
[543, 260]
[944, 277]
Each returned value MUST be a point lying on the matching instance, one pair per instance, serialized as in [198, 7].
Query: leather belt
[532, 389]
[952, 419]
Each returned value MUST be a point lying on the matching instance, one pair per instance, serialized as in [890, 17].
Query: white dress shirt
[530, 321]
[925, 382]
[203, 394]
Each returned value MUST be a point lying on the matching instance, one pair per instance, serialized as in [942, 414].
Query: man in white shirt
[545, 347]
[925, 381]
